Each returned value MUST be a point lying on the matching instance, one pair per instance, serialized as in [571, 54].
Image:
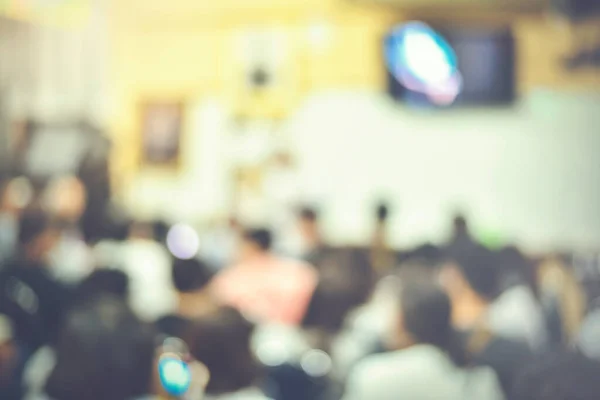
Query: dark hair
[103, 282]
[160, 229]
[382, 212]
[479, 267]
[425, 254]
[559, 376]
[221, 341]
[308, 214]
[32, 225]
[261, 237]
[427, 316]
[460, 223]
[346, 281]
[190, 275]
[103, 353]
[511, 261]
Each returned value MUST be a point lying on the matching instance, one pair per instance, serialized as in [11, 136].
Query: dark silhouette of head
[426, 316]
[473, 268]
[190, 276]
[559, 376]
[104, 353]
[37, 234]
[346, 281]
[103, 282]
[256, 242]
[221, 341]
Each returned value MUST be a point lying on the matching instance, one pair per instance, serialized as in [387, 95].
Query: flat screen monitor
[479, 63]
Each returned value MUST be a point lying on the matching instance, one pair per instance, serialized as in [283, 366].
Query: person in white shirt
[516, 313]
[429, 362]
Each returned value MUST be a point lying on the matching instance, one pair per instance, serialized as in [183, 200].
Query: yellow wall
[187, 51]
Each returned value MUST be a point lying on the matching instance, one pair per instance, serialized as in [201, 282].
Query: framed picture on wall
[162, 129]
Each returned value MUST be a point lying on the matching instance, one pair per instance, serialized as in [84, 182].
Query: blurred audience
[429, 362]
[471, 280]
[460, 235]
[346, 281]
[191, 279]
[516, 312]
[101, 283]
[9, 221]
[458, 321]
[219, 242]
[104, 353]
[147, 263]
[65, 200]
[264, 287]
[560, 376]
[564, 302]
[313, 246]
[10, 385]
[221, 341]
[382, 256]
[29, 295]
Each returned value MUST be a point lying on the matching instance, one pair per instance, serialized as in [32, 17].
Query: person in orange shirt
[264, 287]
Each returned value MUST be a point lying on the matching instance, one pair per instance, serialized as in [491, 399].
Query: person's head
[103, 282]
[460, 226]
[104, 352]
[38, 234]
[425, 254]
[308, 224]
[15, 194]
[221, 341]
[256, 241]
[426, 318]
[471, 273]
[5, 203]
[346, 281]
[515, 268]
[559, 376]
[8, 352]
[67, 198]
[382, 212]
[190, 276]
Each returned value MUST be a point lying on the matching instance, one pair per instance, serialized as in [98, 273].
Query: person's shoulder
[379, 375]
[377, 365]
[483, 383]
[245, 394]
[300, 267]
[505, 353]
[508, 345]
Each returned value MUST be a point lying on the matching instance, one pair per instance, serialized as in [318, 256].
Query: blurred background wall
[330, 86]
[329, 104]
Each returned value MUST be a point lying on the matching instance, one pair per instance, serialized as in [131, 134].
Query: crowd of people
[124, 318]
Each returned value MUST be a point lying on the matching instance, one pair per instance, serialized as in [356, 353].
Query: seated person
[429, 361]
[516, 312]
[106, 353]
[313, 246]
[559, 376]
[221, 342]
[148, 265]
[471, 280]
[264, 287]
[191, 279]
[10, 385]
[29, 295]
[100, 283]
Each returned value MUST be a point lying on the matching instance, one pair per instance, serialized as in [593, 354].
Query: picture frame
[161, 131]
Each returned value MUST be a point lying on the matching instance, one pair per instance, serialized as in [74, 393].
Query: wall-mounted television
[450, 66]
